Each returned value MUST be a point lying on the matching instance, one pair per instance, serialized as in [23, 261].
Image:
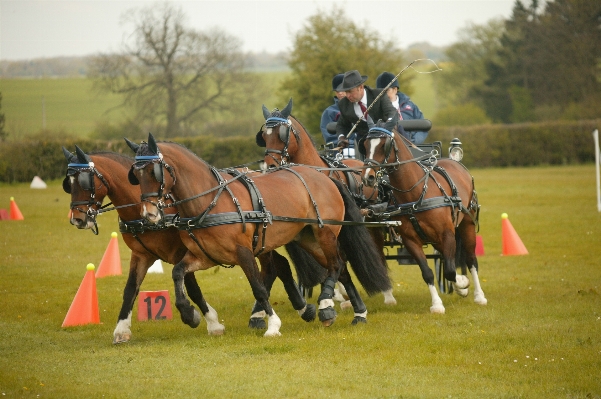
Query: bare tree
[174, 76]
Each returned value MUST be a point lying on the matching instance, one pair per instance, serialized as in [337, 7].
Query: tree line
[543, 63]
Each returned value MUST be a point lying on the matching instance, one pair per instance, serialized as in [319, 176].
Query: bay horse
[287, 141]
[92, 177]
[437, 203]
[297, 204]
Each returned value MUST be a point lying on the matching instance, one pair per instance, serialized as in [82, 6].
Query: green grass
[538, 337]
[70, 106]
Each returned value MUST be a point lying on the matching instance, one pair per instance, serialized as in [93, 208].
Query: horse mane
[122, 159]
[144, 150]
[306, 131]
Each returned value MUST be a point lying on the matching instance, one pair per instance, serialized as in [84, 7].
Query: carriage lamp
[455, 150]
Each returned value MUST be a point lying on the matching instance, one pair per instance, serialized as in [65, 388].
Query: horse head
[275, 135]
[87, 187]
[377, 147]
[148, 172]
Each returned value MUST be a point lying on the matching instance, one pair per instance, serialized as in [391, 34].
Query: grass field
[70, 105]
[538, 337]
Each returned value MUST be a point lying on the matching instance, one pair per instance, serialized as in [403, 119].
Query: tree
[3, 133]
[175, 77]
[328, 44]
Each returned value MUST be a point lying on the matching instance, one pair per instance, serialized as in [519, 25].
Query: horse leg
[210, 315]
[415, 249]
[329, 245]
[358, 305]
[466, 244]
[448, 250]
[378, 236]
[247, 262]
[188, 313]
[137, 272]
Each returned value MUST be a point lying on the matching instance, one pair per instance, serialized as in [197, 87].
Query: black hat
[351, 80]
[385, 78]
[337, 80]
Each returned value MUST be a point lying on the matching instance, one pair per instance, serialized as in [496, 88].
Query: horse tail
[361, 251]
[308, 271]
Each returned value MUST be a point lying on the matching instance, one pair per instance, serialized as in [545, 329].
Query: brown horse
[287, 141]
[228, 219]
[91, 178]
[437, 204]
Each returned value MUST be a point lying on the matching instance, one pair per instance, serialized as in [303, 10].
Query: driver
[353, 109]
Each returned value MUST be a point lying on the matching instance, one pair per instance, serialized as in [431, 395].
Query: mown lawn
[538, 337]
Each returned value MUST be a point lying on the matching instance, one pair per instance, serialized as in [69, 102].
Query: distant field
[72, 107]
[69, 103]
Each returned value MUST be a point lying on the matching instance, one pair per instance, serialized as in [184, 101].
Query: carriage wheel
[443, 285]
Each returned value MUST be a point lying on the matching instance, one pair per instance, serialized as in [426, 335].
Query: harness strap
[319, 220]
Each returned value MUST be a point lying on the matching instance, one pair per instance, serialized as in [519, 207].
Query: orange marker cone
[84, 308]
[110, 265]
[479, 246]
[15, 213]
[512, 244]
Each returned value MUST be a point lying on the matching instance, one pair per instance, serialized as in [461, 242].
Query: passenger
[332, 113]
[405, 107]
[353, 109]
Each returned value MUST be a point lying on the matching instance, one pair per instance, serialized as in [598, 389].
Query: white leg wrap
[302, 311]
[364, 314]
[479, 297]
[338, 296]
[214, 327]
[461, 281]
[388, 297]
[326, 303]
[273, 326]
[437, 306]
[258, 315]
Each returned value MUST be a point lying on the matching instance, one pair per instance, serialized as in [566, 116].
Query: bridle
[377, 132]
[85, 177]
[284, 127]
[141, 162]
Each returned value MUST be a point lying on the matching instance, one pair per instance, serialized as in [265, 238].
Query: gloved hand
[343, 141]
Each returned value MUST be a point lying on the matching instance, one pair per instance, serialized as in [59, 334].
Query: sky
[53, 28]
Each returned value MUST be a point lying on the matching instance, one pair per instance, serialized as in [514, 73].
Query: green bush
[528, 144]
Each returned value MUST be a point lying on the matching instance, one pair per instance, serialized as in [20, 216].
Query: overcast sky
[51, 28]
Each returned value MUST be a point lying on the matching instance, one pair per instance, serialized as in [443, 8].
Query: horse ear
[134, 147]
[266, 112]
[286, 111]
[82, 156]
[133, 180]
[259, 139]
[68, 155]
[152, 144]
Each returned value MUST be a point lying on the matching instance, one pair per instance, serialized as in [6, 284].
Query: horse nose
[369, 181]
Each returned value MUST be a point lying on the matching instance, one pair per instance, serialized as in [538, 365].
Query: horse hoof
[121, 338]
[327, 316]
[480, 300]
[461, 282]
[217, 330]
[438, 309]
[358, 319]
[462, 292]
[309, 313]
[346, 305]
[195, 319]
[389, 301]
[257, 323]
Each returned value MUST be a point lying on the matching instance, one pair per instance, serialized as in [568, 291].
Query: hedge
[552, 143]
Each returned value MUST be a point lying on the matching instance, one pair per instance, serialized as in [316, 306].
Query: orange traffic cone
[15, 213]
[512, 245]
[84, 308]
[110, 265]
[479, 246]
